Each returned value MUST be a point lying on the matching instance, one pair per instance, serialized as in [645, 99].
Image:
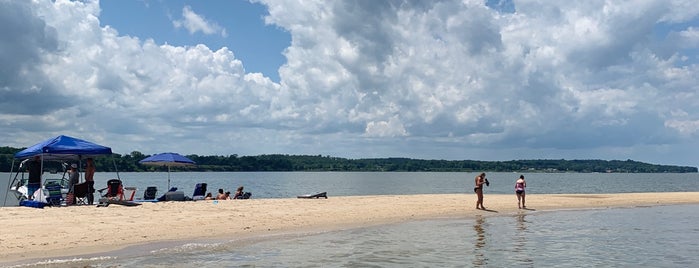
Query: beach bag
[40, 195]
[70, 197]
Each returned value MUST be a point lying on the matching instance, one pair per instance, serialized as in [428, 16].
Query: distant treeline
[277, 162]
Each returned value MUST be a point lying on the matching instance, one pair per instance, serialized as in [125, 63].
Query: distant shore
[56, 232]
[319, 163]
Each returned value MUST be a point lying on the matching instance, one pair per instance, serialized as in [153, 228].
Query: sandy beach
[52, 232]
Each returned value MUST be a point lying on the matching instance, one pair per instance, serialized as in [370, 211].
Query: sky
[491, 80]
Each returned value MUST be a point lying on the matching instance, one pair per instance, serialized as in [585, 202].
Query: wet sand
[53, 232]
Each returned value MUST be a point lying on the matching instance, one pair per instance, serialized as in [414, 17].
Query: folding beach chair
[150, 193]
[55, 195]
[129, 193]
[80, 192]
[114, 190]
[199, 191]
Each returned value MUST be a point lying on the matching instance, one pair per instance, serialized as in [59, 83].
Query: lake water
[659, 236]
[291, 184]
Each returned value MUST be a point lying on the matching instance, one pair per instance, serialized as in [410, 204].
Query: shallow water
[666, 236]
[291, 184]
[661, 236]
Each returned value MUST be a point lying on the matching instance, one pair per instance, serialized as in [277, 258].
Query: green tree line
[279, 162]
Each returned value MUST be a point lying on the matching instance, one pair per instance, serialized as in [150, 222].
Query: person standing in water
[480, 180]
[520, 184]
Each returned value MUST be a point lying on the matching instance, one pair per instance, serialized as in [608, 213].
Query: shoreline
[30, 234]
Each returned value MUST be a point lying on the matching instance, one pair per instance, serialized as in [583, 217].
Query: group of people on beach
[34, 181]
[520, 185]
[239, 194]
[74, 179]
[34, 169]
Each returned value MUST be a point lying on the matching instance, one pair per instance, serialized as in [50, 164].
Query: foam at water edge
[64, 261]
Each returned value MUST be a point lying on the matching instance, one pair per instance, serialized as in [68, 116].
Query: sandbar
[54, 232]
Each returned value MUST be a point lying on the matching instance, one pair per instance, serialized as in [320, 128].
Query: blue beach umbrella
[169, 160]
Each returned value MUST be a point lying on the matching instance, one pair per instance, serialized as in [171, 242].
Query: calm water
[291, 184]
[663, 236]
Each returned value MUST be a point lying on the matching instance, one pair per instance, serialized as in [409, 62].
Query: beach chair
[114, 190]
[199, 191]
[80, 192]
[150, 193]
[129, 193]
[55, 195]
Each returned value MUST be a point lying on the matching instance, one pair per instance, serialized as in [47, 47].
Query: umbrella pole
[168, 178]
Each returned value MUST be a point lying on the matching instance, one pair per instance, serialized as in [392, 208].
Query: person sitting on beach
[208, 196]
[221, 195]
[227, 196]
[238, 193]
[520, 184]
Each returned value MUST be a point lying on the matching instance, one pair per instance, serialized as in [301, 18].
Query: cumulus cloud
[550, 75]
[194, 22]
[26, 38]
[442, 79]
[391, 128]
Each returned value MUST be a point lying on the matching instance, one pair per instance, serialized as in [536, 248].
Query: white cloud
[684, 127]
[194, 22]
[447, 80]
[391, 128]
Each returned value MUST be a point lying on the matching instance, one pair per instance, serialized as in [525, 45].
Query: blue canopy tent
[167, 159]
[64, 147]
[58, 148]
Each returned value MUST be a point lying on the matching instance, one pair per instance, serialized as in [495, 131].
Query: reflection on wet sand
[520, 241]
[521, 224]
[479, 248]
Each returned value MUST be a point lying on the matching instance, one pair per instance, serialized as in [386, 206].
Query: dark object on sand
[317, 195]
[32, 204]
[150, 193]
[105, 202]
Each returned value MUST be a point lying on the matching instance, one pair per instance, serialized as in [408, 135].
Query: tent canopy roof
[64, 147]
